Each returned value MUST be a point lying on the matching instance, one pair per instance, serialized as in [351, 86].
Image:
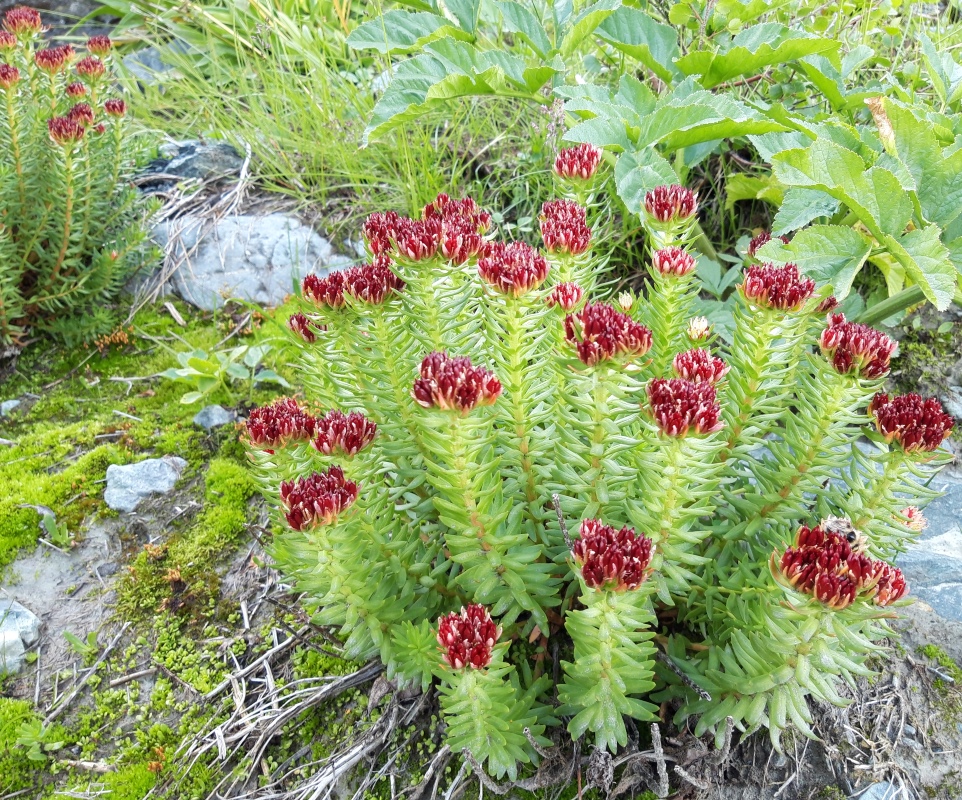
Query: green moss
[830, 793]
[17, 772]
[950, 699]
[943, 659]
[129, 783]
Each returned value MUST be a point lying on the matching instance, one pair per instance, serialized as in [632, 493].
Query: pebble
[213, 416]
[128, 485]
[8, 406]
[19, 628]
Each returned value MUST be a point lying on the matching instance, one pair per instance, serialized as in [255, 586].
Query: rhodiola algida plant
[70, 229]
[721, 542]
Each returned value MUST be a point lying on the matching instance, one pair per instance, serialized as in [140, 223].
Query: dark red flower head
[91, 68]
[53, 59]
[463, 224]
[513, 268]
[465, 212]
[762, 239]
[673, 261]
[780, 288]
[856, 348]
[467, 638]
[317, 499]
[567, 296]
[305, 327]
[578, 163]
[8, 41]
[600, 332]
[99, 45]
[564, 227]
[115, 107]
[325, 292]
[610, 559]
[9, 76]
[280, 422]
[418, 239]
[82, 113]
[453, 384]
[699, 366]
[830, 303]
[337, 433]
[23, 22]
[76, 89]
[372, 283]
[671, 204]
[823, 564]
[380, 231]
[680, 407]
[65, 131]
[917, 425]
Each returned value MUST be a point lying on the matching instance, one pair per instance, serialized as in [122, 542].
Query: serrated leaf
[400, 31]
[944, 72]
[466, 12]
[742, 186]
[585, 23]
[751, 51]
[800, 207]
[637, 35]
[519, 19]
[831, 254]
[601, 132]
[637, 173]
[926, 262]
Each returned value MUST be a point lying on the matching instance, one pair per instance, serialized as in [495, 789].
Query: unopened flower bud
[454, 384]
[600, 332]
[9, 76]
[65, 131]
[317, 499]
[567, 296]
[468, 637]
[23, 22]
[779, 288]
[699, 366]
[699, 329]
[917, 425]
[91, 68]
[564, 227]
[625, 301]
[513, 268]
[679, 406]
[99, 45]
[673, 261]
[578, 163]
[76, 89]
[856, 349]
[609, 559]
[115, 107]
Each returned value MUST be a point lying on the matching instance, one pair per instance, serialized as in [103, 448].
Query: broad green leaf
[400, 31]
[635, 94]
[800, 207]
[831, 254]
[751, 51]
[191, 397]
[269, 376]
[585, 23]
[926, 262]
[825, 78]
[239, 371]
[519, 19]
[635, 34]
[937, 176]
[855, 58]
[768, 144]
[601, 132]
[891, 269]
[944, 72]
[465, 11]
[955, 254]
[562, 11]
[637, 173]
[743, 186]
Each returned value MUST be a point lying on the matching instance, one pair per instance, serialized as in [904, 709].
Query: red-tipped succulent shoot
[564, 227]
[600, 332]
[669, 205]
[317, 499]
[778, 288]
[337, 433]
[699, 366]
[673, 262]
[914, 423]
[856, 349]
[280, 422]
[467, 638]
[680, 407]
[454, 384]
[579, 163]
[610, 559]
[513, 268]
[567, 296]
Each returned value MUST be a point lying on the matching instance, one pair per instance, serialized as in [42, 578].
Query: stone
[259, 259]
[944, 513]
[945, 599]
[21, 619]
[129, 484]
[196, 159]
[12, 653]
[934, 560]
[212, 417]
[148, 65]
[8, 406]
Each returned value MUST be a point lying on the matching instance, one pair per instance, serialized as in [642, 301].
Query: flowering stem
[671, 300]
[67, 220]
[15, 148]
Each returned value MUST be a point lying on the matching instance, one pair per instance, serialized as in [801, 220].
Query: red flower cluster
[830, 303]
[823, 564]
[53, 59]
[699, 366]
[513, 268]
[305, 327]
[578, 163]
[347, 434]
[762, 239]
[9, 76]
[99, 45]
[679, 406]
[22, 21]
[599, 332]
[610, 559]
[91, 68]
[372, 283]
[467, 638]
[670, 204]
[566, 295]
[673, 261]
[917, 425]
[65, 131]
[453, 384]
[856, 348]
[781, 288]
[564, 227]
[328, 291]
[115, 107]
[379, 230]
[76, 89]
[82, 113]
[280, 422]
[7, 41]
[317, 499]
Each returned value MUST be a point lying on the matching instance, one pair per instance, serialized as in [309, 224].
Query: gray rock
[883, 791]
[201, 160]
[128, 485]
[952, 401]
[261, 259]
[945, 599]
[12, 653]
[936, 560]
[944, 513]
[7, 406]
[213, 417]
[148, 65]
[20, 619]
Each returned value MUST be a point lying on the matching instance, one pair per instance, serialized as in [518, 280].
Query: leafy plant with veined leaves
[221, 370]
[469, 401]
[863, 171]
